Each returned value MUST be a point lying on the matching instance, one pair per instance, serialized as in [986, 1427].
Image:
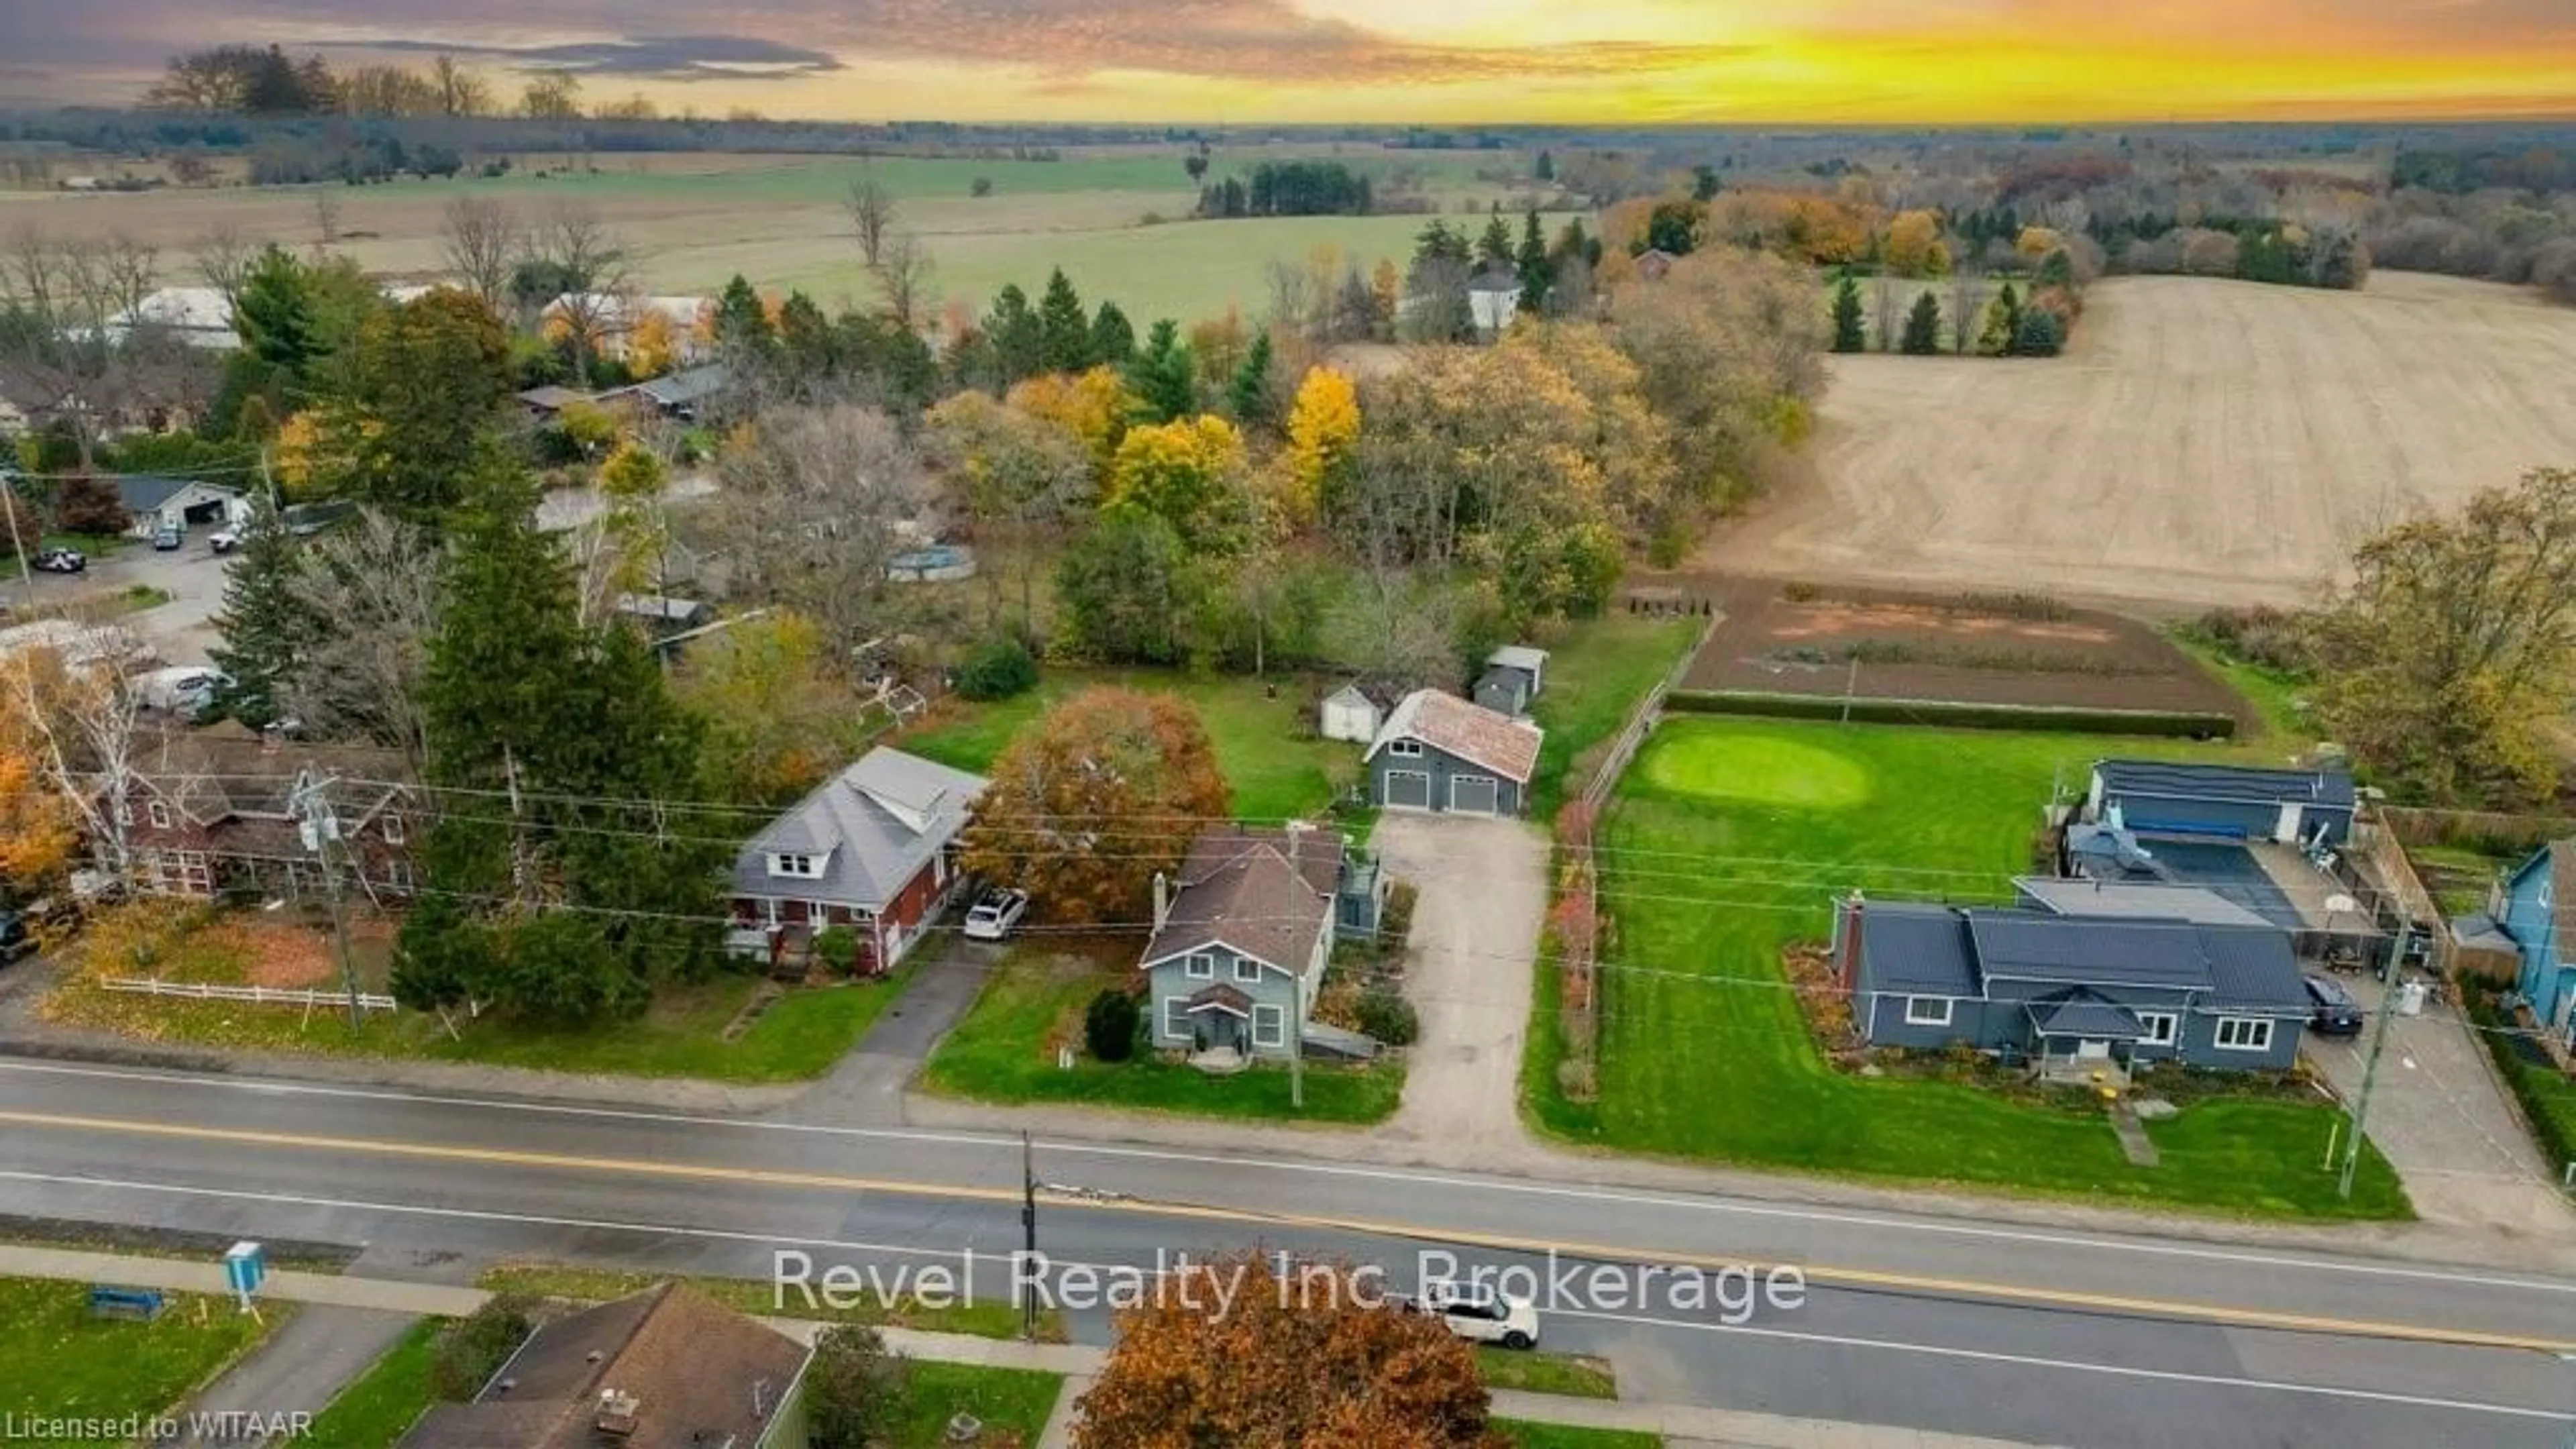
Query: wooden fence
[2411, 825]
[256, 995]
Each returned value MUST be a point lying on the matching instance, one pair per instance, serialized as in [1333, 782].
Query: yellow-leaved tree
[1323, 429]
[299, 443]
[1093, 406]
[1912, 246]
[1189, 473]
[651, 348]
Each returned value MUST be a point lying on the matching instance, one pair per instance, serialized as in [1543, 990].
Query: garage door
[1408, 790]
[1474, 794]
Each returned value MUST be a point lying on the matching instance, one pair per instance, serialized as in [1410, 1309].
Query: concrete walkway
[388, 1298]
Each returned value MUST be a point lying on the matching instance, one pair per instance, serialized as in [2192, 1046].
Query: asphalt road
[2039, 1336]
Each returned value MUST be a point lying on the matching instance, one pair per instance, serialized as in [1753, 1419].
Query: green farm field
[1724, 844]
[691, 221]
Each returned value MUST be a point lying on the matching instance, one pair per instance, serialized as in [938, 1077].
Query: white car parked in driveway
[994, 913]
[1480, 1315]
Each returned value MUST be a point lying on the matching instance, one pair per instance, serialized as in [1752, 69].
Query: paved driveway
[2446, 1126]
[1483, 893]
[194, 576]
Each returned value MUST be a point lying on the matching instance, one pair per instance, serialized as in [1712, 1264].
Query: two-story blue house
[1241, 939]
[2545, 935]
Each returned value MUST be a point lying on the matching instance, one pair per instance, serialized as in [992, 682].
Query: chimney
[617, 1413]
[1847, 942]
[1162, 899]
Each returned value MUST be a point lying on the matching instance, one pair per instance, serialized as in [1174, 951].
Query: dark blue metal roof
[1916, 949]
[2225, 784]
[2030, 946]
[2083, 1014]
[2253, 969]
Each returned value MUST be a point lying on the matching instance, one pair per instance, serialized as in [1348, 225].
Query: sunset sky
[1238, 61]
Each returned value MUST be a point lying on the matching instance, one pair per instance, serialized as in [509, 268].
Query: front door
[2092, 1051]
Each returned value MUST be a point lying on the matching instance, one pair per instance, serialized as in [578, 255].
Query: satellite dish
[2342, 903]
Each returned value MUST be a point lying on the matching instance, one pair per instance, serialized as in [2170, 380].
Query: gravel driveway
[1483, 894]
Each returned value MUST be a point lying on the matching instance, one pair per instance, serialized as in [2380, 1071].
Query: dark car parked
[2337, 1013]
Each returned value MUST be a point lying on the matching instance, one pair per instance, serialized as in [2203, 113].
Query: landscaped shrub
[1389, 1017]
[1109, 1025]
[1953, 714]
[2273, 638]
[838, 946]
[997, 670]
[473, 1348]
[1395, 918]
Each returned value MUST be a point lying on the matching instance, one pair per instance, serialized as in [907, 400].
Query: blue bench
[142, 1305]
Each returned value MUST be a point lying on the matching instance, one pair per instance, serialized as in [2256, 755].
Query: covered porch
[2083, 1039]
[1220, 1020]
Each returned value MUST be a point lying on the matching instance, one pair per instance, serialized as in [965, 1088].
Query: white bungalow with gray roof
[1439, 753]
[873, 848]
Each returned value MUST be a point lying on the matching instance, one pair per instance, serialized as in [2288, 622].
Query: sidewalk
[1078, 1363]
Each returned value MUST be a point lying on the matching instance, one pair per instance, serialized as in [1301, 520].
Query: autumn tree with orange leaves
[1082, 811]
[1315, 1360]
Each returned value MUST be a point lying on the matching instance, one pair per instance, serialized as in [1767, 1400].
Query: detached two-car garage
[1442, 754]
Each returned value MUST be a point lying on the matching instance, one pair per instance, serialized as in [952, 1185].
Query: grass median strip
[1577, 1376]
[1526, 1435]
[756, 1296]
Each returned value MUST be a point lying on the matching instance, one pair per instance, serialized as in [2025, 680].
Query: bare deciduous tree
[570, 241]
[872, 212]
[376, 580]
[223, 256]
[1292, 297]
[460, 91]
[814, 507]
[480, 244]
[83, 716]
[903, 272]
[326, 215]
[76, 350]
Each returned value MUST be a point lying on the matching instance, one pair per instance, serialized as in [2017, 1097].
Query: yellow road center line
[1815, 1273]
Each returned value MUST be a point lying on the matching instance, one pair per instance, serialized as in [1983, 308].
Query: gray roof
[681, 388]
[2226, 784]
[1265, 893]
[875, 824]
[147, 492]
[2083, 1014]
[1518, 656]
[2032, 946]
[1917, 949]
[660, 606]
[2145, 900]
[2253, 969]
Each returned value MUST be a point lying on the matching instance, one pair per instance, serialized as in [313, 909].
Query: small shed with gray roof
[2162, 797]
[873, 848]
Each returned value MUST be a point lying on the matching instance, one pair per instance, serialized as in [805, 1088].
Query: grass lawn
[1596, 673]
[1574, 1375]
[377, 1406]
[800, 1036]
[1526, 1435]
[1267, 747]
[1013, 1403]
[756, 1296]
[2276, 697]
[1005, 1051]
[55, 1359]
[1728, 838]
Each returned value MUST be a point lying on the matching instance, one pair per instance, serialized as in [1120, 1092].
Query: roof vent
[617, 1413]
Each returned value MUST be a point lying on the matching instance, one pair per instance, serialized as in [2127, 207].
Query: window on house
[2160, 1026]
[1246, 969]
[808, 867]
[1405, 749]
[393, 829]
[1176, 1018]
[1927, 1011]
[2245, 1033]
[158, 814]
[1200, 966]
[1270, 1026]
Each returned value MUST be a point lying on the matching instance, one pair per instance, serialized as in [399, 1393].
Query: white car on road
[1480, 1315]
[994, 913]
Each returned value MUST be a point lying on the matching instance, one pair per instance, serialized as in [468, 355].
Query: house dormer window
[393, 829]
[158, 814]
[798, 865]
[1405, 749]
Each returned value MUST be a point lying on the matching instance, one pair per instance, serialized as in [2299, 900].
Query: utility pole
[1028, 1234]
[320, 827]
[1297, 1045]
[2370, 1062]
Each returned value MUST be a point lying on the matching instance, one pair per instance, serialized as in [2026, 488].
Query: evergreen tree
[1704, 183]
[263, 624]
[807, 344]
[1923, 326]
[1113, 337]
[1162, 377]
[423, 387]
[1019, 338]
[1537, 273]
[2038, 333]
[1848, 333]
[2003, 324]
[1249, 393]
[565, 901]
[1494, 249]
[742, 322]
[1546, 168]
[1064, 333]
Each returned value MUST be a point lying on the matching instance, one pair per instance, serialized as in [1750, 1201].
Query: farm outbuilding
[1354, 712]
[2158, 797]
[1442, 754]
[1513, 677]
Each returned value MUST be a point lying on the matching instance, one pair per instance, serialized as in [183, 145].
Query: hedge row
[1955, 714]
[2548, 1098]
